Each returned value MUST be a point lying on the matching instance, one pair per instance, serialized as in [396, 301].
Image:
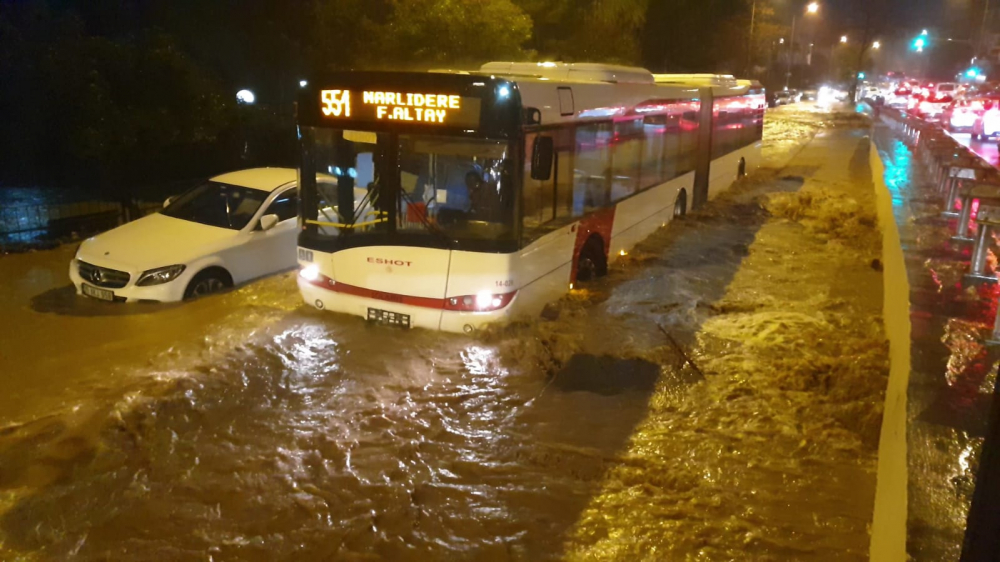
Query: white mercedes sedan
[228, 230]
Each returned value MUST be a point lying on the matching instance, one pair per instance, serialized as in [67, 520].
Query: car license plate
[102, 294]
[389, 317]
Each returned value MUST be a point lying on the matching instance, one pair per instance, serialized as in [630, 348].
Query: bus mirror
[541, 158]
[532, 116]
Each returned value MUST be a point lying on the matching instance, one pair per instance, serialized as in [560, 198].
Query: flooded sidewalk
[771, 456]
[716, 396]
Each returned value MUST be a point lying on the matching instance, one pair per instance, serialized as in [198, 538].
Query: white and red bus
[454, 200]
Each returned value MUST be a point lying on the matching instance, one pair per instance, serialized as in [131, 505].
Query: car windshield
[217, 204]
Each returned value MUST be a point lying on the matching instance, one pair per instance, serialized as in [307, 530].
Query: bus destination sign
[416, 107]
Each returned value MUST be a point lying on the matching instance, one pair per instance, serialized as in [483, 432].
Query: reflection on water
[953, 373]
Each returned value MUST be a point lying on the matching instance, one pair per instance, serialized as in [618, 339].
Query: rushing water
[713, 398]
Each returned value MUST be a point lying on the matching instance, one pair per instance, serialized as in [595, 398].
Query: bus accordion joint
[347, 225]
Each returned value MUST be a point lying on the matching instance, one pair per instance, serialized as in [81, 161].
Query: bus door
[703, 158]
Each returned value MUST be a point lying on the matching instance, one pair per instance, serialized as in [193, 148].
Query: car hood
[154, 241]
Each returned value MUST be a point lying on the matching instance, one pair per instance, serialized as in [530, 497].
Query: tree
[870, 19]
[587, 30]
[695, 35]
[145, 111]
[425, 33]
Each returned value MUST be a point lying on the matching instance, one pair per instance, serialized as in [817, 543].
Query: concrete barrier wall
[888, 531]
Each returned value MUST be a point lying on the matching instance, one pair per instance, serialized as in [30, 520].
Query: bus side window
[538, 197]
[689, 129]
[592, 174]
[626, 156]
[564, 172]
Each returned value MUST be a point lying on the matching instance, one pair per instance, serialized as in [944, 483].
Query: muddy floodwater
[716, 397]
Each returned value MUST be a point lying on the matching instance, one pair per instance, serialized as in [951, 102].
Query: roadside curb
[889, 522]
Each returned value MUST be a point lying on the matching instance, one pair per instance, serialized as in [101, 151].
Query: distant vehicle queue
[447, 200]
[959, 108]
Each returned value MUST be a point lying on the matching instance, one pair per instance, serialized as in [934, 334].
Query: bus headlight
[310, 272]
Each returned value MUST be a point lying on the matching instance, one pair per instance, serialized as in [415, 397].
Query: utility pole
[791, 52]
[753, 13]
[982, 28]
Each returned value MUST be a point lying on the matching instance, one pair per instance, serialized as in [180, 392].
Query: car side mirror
[267, 222]
[541, 158]
[168, 201]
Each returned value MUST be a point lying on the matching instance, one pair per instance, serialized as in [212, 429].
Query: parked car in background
[810, 95]
[961, 115]
[987, 125]
[946, 89]
[228, 230]
[782, 97]
[929, 107]
[899, 98]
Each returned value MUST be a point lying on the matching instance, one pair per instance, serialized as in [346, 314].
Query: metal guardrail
[962, 176]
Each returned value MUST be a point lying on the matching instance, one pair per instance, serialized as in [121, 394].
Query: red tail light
[482, 302]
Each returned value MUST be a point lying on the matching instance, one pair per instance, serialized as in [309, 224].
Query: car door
[275, 248]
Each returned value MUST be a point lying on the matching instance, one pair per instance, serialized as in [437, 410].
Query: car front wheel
[207, 282]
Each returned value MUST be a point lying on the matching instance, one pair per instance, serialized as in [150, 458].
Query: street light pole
[791, 52]
[753, 13]
[982, 28]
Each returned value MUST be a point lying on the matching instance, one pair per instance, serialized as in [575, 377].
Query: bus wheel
[741, 171]
[592, 262]
[680, 206]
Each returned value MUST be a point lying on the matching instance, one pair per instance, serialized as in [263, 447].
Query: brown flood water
[249, 427]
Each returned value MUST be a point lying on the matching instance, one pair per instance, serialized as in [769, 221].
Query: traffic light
[861, 76]
[919, 43]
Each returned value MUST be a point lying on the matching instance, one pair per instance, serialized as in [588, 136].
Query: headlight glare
[160, 275]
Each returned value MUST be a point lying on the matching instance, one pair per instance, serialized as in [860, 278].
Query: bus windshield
[458, 187]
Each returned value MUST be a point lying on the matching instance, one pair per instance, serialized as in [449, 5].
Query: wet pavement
[953, 375]
[986, 149]
[717, 396]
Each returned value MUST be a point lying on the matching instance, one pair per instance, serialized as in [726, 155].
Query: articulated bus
[453, 200]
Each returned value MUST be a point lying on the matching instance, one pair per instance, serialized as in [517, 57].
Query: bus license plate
[389, 317]
[102, 294]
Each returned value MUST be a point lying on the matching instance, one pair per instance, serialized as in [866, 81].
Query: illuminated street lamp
[245, 97]
[812, 8]
[303, 83]
[876, 45]
[843, 39]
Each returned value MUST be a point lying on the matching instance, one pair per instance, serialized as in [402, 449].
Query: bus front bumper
[401, 314]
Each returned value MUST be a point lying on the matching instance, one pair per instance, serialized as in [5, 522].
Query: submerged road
[248, 426]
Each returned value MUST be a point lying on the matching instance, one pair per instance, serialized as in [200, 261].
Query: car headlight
[160, 275]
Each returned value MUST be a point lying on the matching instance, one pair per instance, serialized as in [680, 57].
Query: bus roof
[571, 72]
[560, 92]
